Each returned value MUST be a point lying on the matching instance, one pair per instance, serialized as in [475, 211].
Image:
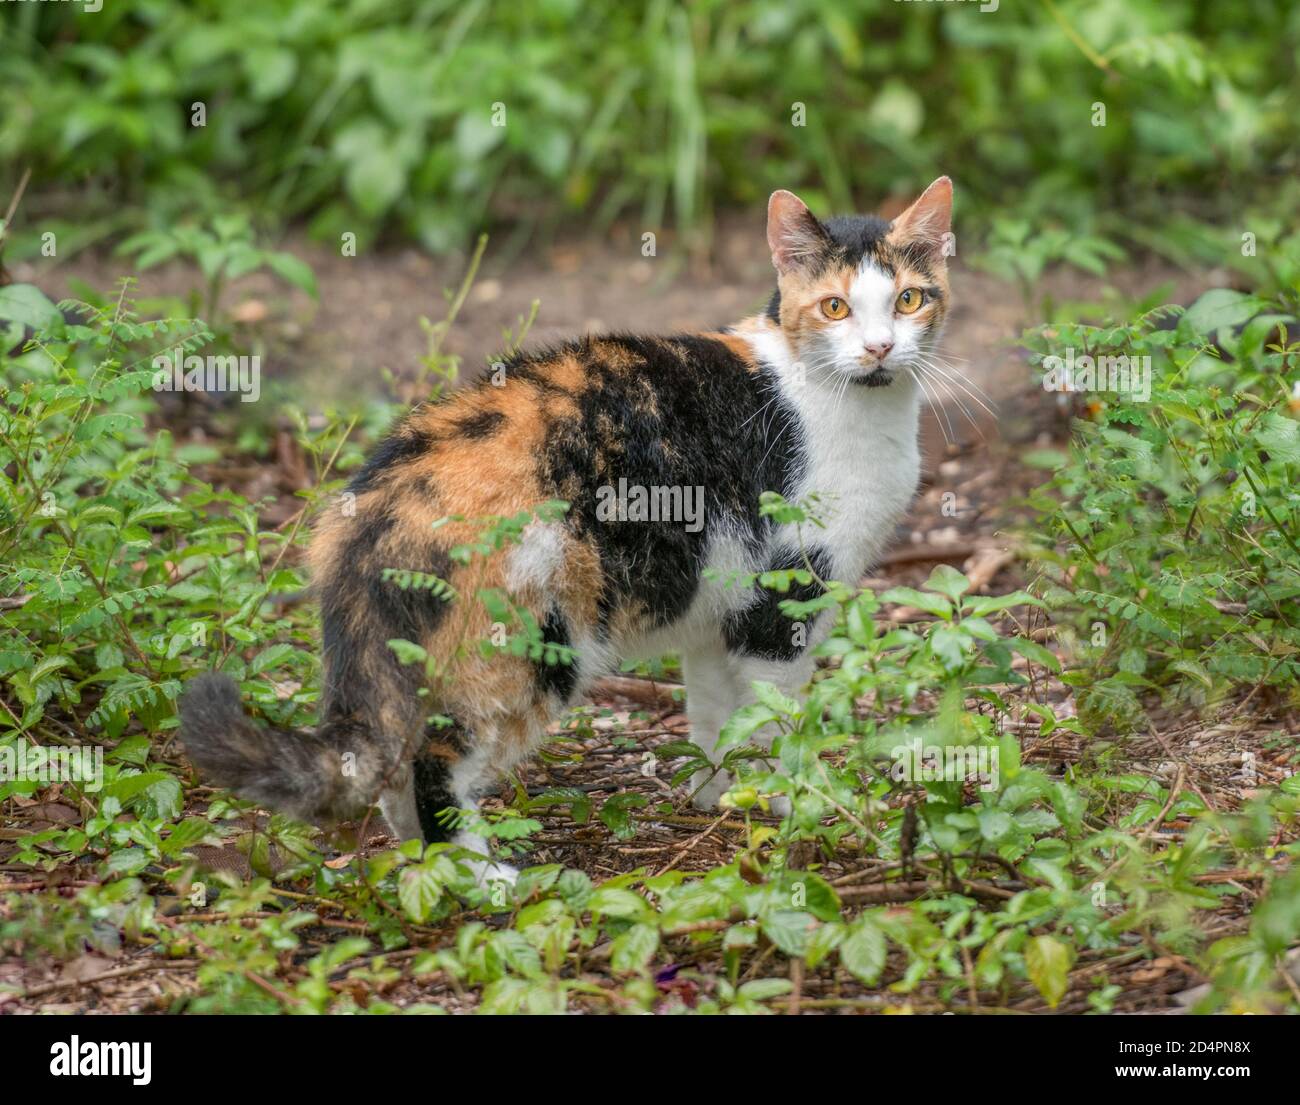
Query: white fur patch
[872, 321]
[861, 453]
[538, 556]
[486, 870]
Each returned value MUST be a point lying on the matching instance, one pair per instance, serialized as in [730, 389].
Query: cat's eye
[834, 307]
[909, 300]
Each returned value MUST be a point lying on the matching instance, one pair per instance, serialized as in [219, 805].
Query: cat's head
[858, 296]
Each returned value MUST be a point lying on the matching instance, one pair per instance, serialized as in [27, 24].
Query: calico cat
[820, 393]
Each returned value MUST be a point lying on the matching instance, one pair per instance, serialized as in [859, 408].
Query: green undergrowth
[1169, 535]
[929, 861]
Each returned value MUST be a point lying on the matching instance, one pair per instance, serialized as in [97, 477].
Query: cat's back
[611, 388]
[544, 424]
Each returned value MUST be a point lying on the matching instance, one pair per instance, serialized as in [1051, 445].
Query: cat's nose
[879, 350]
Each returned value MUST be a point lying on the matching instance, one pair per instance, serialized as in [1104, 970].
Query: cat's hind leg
[469, 780]
[453, 773]
[399, 808]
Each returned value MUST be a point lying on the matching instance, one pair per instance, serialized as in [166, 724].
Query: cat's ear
[793, 233]
[928, 221]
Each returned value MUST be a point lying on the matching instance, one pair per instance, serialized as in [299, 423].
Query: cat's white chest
[861, 457]
[860, 454]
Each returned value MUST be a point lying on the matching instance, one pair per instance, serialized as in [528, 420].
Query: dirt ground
[368, 319]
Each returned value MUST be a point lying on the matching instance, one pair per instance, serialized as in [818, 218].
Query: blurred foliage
[364, 115]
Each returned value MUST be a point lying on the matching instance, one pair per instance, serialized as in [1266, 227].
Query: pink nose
[880, 350]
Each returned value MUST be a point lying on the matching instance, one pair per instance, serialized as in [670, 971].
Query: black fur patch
[762, 630]
[561, 678]
[521, 369]
[691, 413]
[857, 237]
[432, 796]
[400, 446]
[390, 611]
[852, 239]
[481, 424]
[412, 614]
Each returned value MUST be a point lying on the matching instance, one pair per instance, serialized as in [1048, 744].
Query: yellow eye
[835, 308]
[909, 301]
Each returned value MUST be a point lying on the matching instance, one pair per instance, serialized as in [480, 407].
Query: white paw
[486, 870]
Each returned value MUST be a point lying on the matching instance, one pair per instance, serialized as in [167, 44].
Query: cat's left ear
[928, 221]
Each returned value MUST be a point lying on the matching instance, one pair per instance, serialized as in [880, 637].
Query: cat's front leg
[789, 677]
[712, 696]
[718, 683]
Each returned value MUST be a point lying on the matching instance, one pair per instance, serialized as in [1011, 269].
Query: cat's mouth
[877, 378]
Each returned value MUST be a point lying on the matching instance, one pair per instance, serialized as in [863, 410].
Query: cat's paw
[486, 871]
[779, 806]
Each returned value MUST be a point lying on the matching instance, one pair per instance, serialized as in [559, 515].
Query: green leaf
[1032, 650]
[774, 700]
[633, 949]
[1048, 961]
[293, 271]
[995, 824]
[128, 861]
[1279, 436]
[743, 724]
[615, 901]
[865, 950]
[28, 306]
[930, 603]
[949, 645]
[1220, 307]
[764, 989]
[981, 606]
[275, 656]
[419, 889]
[948, 581]
[270, 71]
[789, 929]
[407, 652]
[616, 816]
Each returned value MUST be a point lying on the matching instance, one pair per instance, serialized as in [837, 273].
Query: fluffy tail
[304, 775]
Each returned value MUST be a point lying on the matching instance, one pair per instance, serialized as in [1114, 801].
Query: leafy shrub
[126, 565]
[1171, 527]
[360, 115]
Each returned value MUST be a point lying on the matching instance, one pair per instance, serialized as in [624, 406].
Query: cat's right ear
[793, 233]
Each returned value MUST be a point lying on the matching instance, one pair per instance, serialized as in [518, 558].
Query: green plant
[436, 119]
[1169, 533]
[223, 250]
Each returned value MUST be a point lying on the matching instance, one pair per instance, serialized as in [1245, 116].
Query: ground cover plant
[1048, 763]
[893, 884]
